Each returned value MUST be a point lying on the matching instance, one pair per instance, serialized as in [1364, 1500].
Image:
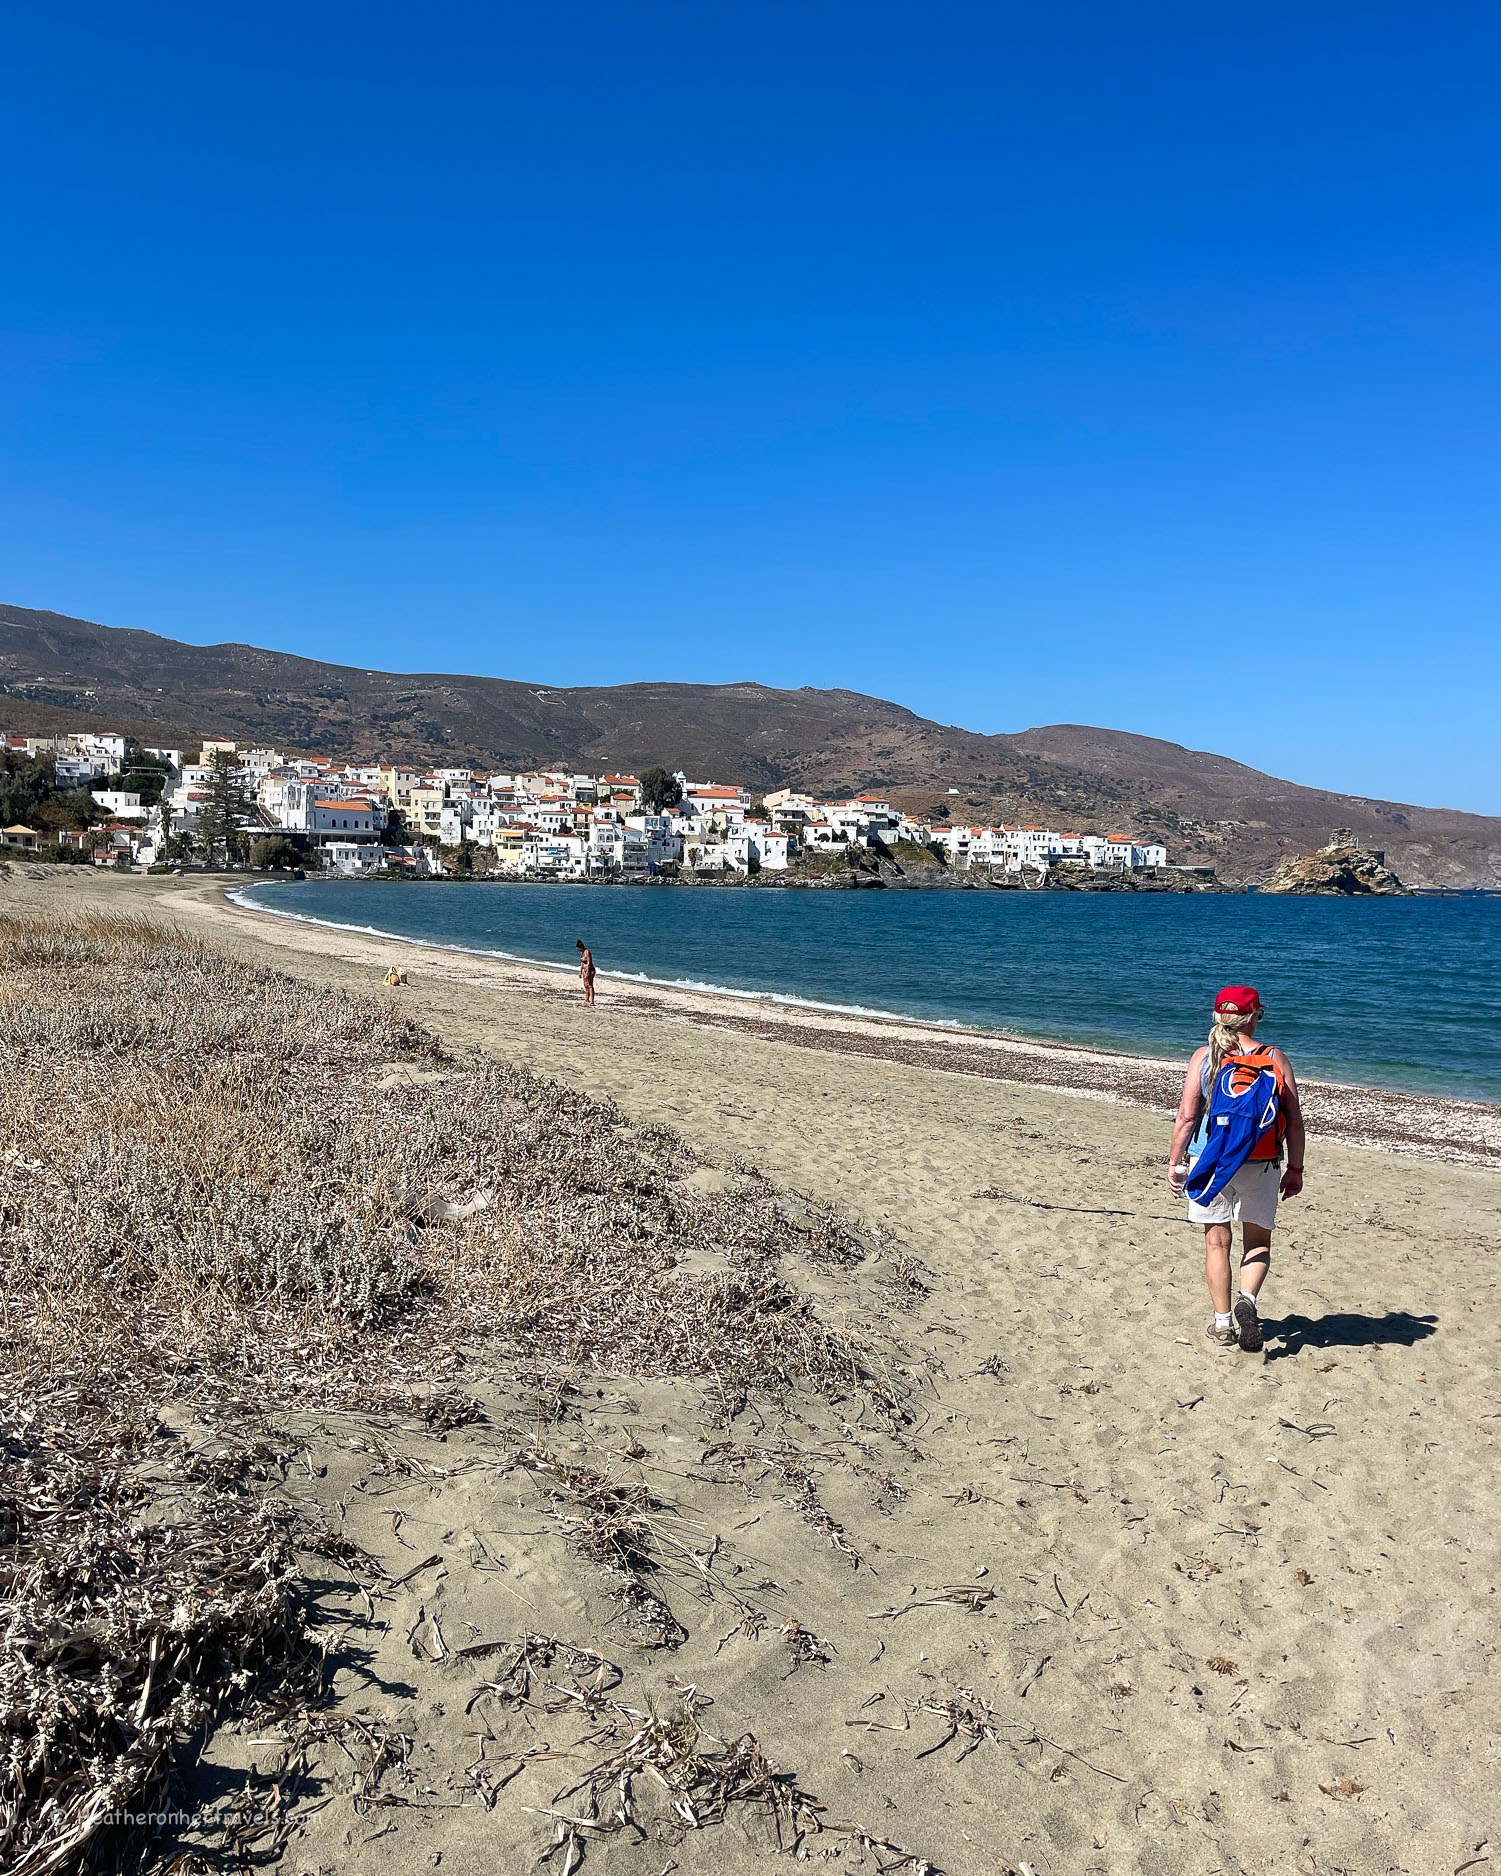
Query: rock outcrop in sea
[1340, 869]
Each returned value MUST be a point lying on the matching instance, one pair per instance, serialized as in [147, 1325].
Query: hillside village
[228, 803]
[60, 674]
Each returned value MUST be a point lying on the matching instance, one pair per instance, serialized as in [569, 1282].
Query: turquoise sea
[1394, 993]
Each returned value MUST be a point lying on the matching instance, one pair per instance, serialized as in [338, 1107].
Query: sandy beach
[1107, 1599]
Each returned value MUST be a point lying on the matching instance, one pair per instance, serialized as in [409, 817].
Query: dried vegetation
[146, 1588]
[224, 1188]
[239, 1168]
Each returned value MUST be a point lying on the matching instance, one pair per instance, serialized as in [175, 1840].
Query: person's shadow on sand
[1292, 1334]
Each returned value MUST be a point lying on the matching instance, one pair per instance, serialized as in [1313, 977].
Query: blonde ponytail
[1224, 1038]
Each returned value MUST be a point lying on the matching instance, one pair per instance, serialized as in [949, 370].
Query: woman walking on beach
[1250, 1114]
[586, 971]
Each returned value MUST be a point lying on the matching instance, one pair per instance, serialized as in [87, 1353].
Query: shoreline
[863, 878]
[1433, 1127]
[1449, 1127]
[920, 882]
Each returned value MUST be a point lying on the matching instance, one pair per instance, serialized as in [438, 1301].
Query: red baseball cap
[1240, 998]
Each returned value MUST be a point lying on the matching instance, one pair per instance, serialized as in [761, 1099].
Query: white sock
[1249, 1298]
[1222, 1322]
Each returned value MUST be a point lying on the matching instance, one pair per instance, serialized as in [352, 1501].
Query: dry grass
[213, 1164]
[226, 1188]
[618, 1526]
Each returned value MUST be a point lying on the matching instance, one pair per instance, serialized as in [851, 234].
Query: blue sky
[1133, 365]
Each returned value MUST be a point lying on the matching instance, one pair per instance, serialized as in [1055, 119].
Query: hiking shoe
[1249, 1325]
[1222, 1338]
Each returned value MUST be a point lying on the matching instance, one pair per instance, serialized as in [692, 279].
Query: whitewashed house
[955, 843]
[555, 817]
[616, 848]
[351, 857]
[455, 823]
[78, 771]
[1123, 854]
[121, 803]
[476, 819]
[821, 833]
[109, 751]
[560, 856]
[755, 847]
[308, 809]
[711, 802]
[1033, 847]
[866, 820]
[700, 842]
[662, 845]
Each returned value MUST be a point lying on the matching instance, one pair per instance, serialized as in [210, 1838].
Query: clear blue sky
[1120, 364]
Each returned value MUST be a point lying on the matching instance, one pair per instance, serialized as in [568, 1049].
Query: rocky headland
[1341, 869]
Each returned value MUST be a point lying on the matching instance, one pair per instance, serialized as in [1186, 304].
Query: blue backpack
[1244, 1102]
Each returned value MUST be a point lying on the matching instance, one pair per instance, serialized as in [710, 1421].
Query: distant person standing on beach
[1240, 1108]
[586, 971]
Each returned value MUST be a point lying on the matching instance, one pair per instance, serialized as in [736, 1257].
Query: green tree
[659, 790]
[274, 850]
[221, 825]
[140, 774]
[29, 795]
[25, 787]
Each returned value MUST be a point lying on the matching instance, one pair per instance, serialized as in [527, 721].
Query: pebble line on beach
[1468, 1132]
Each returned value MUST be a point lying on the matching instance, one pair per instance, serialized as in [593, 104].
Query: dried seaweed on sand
[699, 1777]
[142, 1595]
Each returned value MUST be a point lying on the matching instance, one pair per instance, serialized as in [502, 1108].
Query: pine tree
[221, 824]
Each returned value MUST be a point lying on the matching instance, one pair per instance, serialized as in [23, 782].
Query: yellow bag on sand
[394, 977]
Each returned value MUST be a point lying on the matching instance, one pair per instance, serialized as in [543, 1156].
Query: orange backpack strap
[1263, 1058]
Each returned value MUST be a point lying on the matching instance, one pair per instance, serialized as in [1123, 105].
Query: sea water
[1394, 993]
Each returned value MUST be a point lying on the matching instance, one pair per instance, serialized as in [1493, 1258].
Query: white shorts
[1249, 1199]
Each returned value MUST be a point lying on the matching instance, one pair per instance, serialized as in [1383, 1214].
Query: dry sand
[1218, 1612]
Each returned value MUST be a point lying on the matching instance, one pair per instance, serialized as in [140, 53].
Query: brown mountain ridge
[58, 672]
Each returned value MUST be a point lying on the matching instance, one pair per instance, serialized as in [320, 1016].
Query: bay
[1393, 993]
